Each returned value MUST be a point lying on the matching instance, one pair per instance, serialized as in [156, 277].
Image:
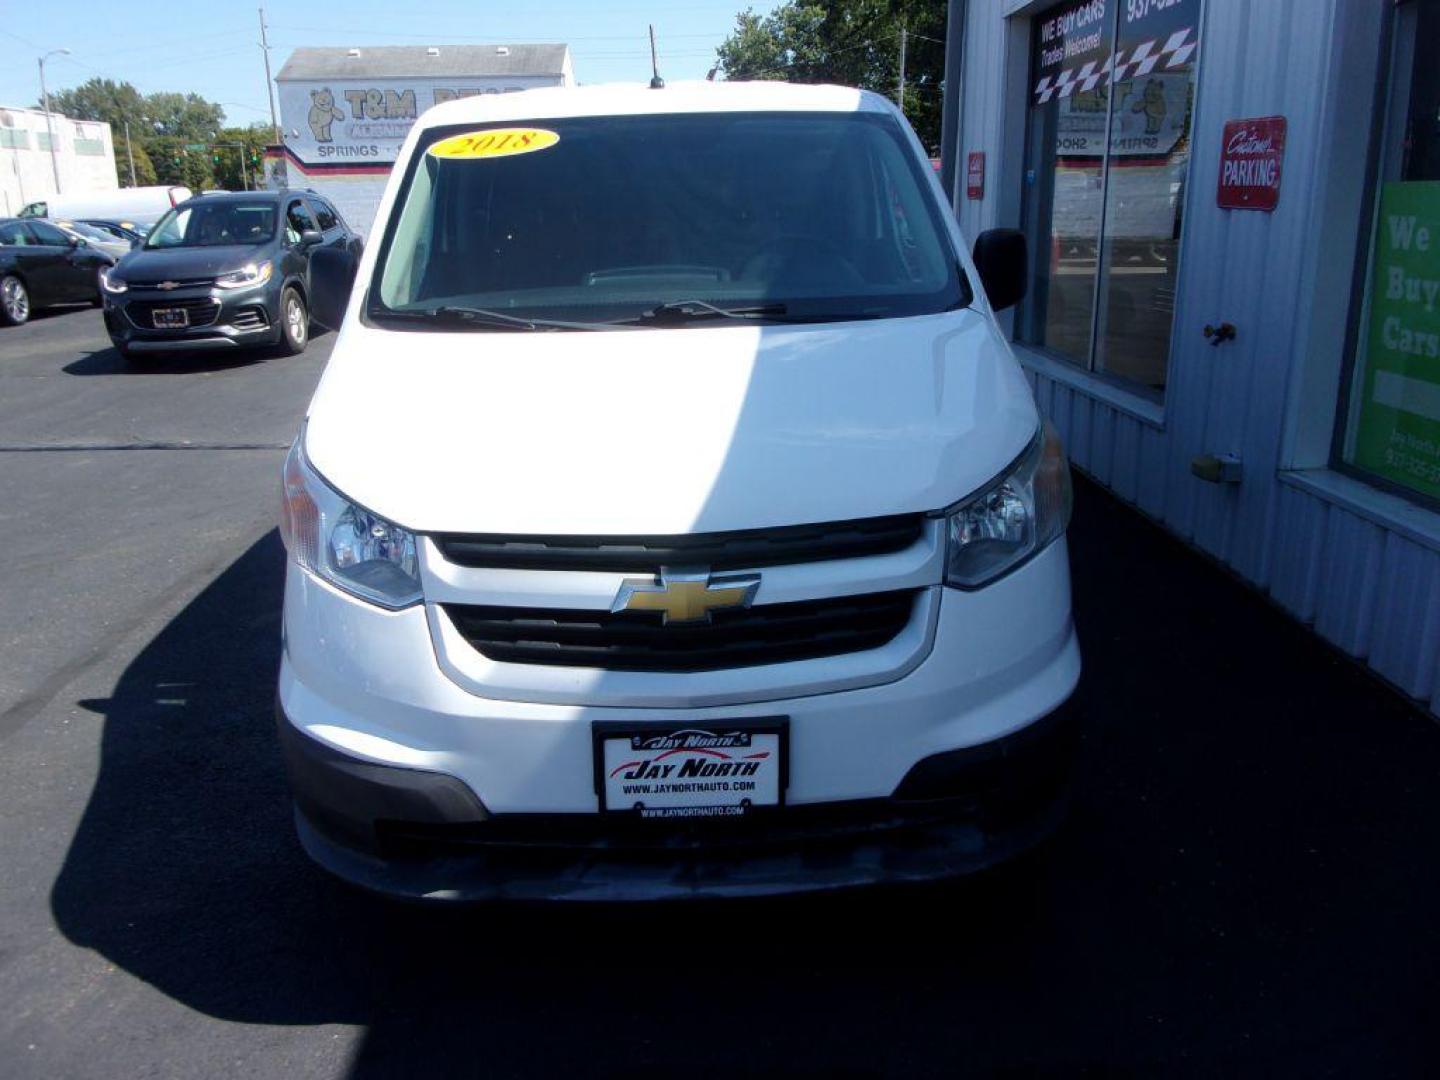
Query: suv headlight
[253, 274]
[345, 544]
[111, 284]
[1013, 518]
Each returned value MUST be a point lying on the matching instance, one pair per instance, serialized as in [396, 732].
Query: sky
[213, 49]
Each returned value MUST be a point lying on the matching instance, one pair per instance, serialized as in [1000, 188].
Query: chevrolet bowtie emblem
[685, 597]
[168, 285]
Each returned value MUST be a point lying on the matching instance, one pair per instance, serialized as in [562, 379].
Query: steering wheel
[835, 261]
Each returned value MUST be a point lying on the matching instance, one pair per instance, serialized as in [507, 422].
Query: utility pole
[49, 128]
[129, 153]
[900, 86]
[656, 82]
[269, 84]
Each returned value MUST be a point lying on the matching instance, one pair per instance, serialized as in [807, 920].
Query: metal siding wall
[1296, 582]
[1368, 590]
[1349, 573]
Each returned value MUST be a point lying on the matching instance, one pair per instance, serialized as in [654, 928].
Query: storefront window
[1109, 146]
[1391, 418]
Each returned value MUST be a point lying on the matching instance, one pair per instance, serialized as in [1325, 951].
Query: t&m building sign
[352, 108]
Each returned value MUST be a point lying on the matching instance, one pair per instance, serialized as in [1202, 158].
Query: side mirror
[332, 275]
[79, 242]
[311, 238]
[1004, 266]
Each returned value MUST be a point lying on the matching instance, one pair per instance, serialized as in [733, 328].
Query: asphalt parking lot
[1246, 884]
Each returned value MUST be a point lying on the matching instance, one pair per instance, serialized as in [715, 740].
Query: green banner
[1398, 433]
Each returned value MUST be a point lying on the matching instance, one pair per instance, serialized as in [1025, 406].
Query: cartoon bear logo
[1152, 104]
[323, 113]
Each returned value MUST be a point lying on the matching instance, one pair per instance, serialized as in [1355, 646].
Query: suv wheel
[14, 301]
[294, 323]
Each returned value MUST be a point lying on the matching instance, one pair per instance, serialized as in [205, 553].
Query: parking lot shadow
[1245, 884]
[108, 361]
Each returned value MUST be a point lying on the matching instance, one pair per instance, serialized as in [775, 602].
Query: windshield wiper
[488, 319]
[680, 311]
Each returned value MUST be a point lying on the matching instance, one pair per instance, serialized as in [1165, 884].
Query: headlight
[1011, 520]
[345, 544]
[110, 284]
[253, 274]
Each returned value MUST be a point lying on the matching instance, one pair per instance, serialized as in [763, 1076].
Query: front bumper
[244, 318]
[419, 835]
[410, 783]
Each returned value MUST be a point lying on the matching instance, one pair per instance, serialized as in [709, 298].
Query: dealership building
[1233, 216]
[344, 113]
[83, 155]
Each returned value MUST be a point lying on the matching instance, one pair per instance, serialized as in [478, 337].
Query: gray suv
[223, 272]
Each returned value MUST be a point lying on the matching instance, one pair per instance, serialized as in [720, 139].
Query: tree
[144, 167]
[102, 99]
[226, 158]
[183, 116]
[160, 126]
[176, 165]
[850, 42]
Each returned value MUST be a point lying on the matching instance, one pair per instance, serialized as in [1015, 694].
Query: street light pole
[269, 84]
[129, 153]
[49, 128]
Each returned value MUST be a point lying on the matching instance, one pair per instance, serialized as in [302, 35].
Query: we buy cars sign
[1251, 153]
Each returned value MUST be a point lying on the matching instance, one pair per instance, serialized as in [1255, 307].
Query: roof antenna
[656, 83]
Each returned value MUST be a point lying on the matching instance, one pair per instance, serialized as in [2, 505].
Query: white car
[143, 205]
[672, 518]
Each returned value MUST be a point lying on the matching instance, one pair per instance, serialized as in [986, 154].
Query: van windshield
[792, 216]
[214, 224]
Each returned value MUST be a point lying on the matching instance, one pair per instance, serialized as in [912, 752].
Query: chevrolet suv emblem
[168, 285]
[685, 596]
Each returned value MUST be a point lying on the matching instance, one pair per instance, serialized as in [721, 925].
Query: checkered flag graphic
[1177, 50]
[1179, 47]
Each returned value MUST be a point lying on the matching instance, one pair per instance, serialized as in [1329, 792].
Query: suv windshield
[793, 216]
[213, 224]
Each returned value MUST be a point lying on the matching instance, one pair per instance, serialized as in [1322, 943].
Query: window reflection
[1145, 192]
[1109, 145]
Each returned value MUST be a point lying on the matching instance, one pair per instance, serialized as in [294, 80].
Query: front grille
[640, 641]
[175, 283]
[741, 549]
[202, 311]
[250, 318]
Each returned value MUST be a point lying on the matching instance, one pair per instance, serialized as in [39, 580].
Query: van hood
[184, 264]
[667, 431]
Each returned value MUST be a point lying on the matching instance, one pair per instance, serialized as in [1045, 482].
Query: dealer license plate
[716, 770]
[168, 318]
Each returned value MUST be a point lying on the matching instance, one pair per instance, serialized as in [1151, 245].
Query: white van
[141, 205]
[672, 518]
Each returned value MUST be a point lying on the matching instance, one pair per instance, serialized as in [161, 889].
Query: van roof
[632, 99]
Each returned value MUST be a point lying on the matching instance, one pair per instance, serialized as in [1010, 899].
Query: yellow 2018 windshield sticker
[496, 142]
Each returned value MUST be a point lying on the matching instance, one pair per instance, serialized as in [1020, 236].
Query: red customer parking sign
[1251, 153]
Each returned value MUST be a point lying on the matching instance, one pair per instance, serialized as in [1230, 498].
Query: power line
[486, 39]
